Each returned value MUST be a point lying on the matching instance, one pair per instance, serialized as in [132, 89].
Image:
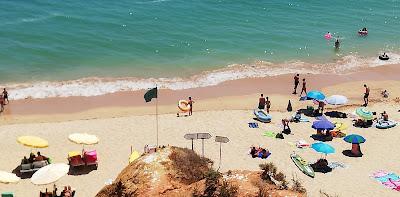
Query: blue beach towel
[386, 178]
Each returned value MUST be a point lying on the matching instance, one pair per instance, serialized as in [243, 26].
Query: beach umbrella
[83, 138]
[135, 155]
[323, 148]
[33, 141]
[317, 95]
[6, 177]
[364, 113]
[337, 100]
[354, 139]
[323, 125]
[50, 173]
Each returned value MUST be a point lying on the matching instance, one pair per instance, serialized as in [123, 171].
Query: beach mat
[269, 134]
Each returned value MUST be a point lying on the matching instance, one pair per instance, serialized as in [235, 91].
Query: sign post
[191, 136]
[221, 140]
[203, 136]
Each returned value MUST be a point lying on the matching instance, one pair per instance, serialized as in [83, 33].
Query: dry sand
[120, 127]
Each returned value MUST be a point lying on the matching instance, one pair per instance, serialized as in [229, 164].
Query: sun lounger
[90, 158]
[76, 161]
[33, 167]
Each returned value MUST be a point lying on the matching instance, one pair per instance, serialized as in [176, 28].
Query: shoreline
[211, 97]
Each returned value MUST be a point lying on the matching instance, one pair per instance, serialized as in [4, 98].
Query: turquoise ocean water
[54, 40]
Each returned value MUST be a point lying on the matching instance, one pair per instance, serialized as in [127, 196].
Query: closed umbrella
[33, 141]
[6, 177]
[337, 100]
[323, 125]
[364, 113]
[50, 173]
[317, 95]
[323, 148]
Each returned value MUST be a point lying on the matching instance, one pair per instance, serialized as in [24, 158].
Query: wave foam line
[100, 86]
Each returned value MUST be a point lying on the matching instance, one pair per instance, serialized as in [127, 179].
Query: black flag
[150, 94]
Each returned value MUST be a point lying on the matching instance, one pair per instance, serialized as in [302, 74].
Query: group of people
[264, 103]
[3, 99]
[259, 152]
[66, 192]
[32, 158]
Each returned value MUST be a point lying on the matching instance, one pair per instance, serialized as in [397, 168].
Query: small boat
[385, 124]
[262, 116]
[302, 165]
[384, 57]
[362, 33]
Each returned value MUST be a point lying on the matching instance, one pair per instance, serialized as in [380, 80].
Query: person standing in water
[296, 83]
[5, 96]
[190, 103]
[337, 43]
[268, 104]
[366, 95]
[303, 89]
[261, 102]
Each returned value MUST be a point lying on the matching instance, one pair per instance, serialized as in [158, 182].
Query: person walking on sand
[190, 103]
[366, 95]
[5, 95]
[296, 83]
[261, 102]
[268, 104]
[303, 89]
[1, 103]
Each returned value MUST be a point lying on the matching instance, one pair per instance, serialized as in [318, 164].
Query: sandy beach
[123, 119]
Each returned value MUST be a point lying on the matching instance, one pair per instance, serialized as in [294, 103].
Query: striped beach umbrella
[364, 113]
[354, 139]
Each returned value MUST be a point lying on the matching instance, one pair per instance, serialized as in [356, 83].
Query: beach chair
[39, 164]
[25, 168]
[90, 158]
[75, 159]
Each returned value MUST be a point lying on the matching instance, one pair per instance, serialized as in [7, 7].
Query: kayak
[382, 124]
[302, 165]
[262, 116]
[381, 57]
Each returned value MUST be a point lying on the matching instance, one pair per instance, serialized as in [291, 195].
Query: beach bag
[289, 107]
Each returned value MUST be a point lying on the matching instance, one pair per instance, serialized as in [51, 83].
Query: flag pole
[157, 114]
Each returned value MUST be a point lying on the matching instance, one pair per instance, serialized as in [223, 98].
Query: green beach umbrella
[354, 139]
[364, 113]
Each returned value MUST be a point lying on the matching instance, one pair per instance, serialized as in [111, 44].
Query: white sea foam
[100, 86]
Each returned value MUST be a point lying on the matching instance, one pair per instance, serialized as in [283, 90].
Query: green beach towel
[269, 134]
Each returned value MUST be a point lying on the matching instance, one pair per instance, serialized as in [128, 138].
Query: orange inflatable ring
[183, 105]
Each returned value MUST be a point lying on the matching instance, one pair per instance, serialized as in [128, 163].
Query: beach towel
[335, 165]
[389, 180]
[302, 144]
[253, 125]
[269, 134]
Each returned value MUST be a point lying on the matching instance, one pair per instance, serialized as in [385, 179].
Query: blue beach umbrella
[323, 125]
[317, 95]
[354, 139]
[323, 148]
[364, 113]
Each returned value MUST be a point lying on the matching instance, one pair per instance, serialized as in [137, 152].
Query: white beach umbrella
[83, 138]
[6, 177]
[337, 100]
[50, 173]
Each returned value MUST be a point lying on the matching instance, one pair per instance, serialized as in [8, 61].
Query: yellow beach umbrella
[33, 141]
[83, 138]
[50, 173]
[6, 177]
[134, 156]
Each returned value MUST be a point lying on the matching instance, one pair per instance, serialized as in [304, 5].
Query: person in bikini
[366, 95]
[304, 88]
